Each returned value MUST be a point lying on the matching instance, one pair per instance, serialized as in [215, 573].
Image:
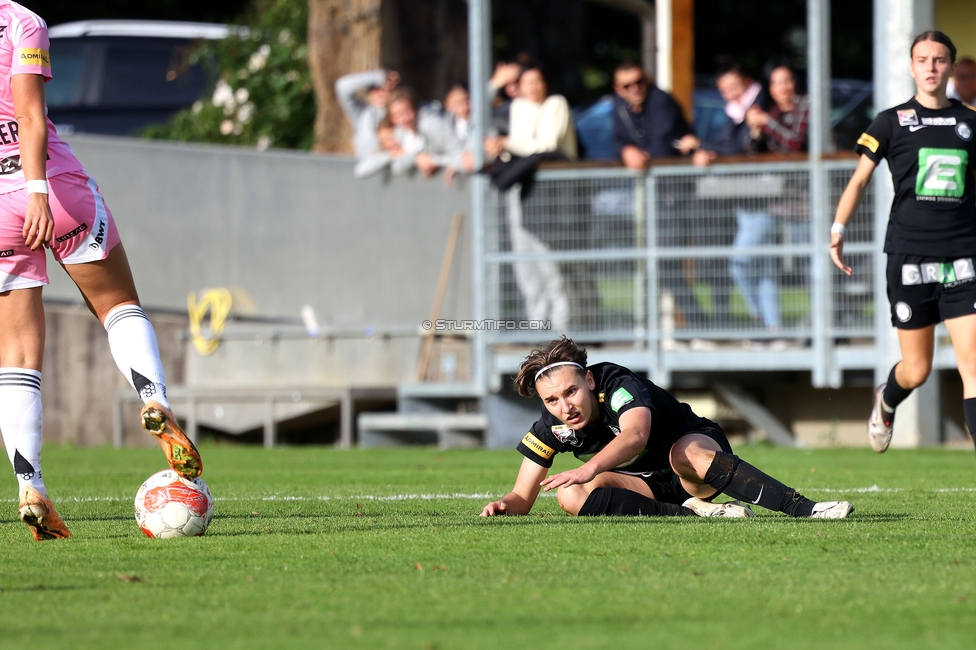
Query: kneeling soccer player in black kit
[644, 452]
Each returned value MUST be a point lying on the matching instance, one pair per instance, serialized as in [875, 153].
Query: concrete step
[446, 430]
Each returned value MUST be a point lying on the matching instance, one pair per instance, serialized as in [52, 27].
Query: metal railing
[683, 268]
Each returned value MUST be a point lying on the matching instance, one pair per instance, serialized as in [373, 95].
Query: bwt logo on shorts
[64, 238]
[99, 238]
[7, 253]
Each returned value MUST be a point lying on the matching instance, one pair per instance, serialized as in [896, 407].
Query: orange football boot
[37, 511]
[181, 455]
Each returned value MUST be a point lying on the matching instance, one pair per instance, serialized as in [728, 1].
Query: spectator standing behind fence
[540, 126]
[388, 151]
[962, 86]
[647, 124]
[503, 88]
[363, 97]
[407, 149]
[753, 276]
[784, 128]
[538, 122]
[447, 130]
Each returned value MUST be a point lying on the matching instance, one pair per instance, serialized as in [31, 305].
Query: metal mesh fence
[681, 255]
[593, 299]
[736, 247]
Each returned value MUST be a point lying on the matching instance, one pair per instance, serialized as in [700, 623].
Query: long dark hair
[561, 349]
[935, 36]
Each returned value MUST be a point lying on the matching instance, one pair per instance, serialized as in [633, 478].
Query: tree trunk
[426, 41]
[343, 36]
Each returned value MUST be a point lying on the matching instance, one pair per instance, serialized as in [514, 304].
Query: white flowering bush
[262, 90]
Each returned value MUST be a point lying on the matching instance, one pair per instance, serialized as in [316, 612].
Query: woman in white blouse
[539, 122]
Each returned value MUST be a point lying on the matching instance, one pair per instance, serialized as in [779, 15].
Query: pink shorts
[84, 230]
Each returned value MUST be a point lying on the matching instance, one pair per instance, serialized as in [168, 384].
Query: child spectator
[447, 131]
[365, 114]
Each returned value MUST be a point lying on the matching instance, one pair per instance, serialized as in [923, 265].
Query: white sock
[22, 423]
[133, 343]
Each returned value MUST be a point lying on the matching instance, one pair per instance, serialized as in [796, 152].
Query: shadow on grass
[4, 590]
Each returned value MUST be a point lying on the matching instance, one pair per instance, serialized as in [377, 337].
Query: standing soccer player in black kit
[643, 451]
[931, 242]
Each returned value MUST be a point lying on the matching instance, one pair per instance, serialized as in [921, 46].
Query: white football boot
[832, 510]
[730, 509]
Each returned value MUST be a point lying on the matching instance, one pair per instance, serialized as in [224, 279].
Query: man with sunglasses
[647, 122]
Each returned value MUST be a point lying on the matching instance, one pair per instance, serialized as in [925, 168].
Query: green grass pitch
[318, 548]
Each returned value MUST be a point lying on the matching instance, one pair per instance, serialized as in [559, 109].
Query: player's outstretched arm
[635, 428]
[522, 497]
[846, 207]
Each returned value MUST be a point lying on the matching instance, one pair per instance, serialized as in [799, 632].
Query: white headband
[553, 365]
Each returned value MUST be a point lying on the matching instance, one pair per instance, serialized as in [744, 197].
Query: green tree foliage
[262, 92]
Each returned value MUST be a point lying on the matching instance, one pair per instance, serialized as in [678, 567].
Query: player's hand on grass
[837, 252]
[494, 509]
[38, 222]
[578, 476]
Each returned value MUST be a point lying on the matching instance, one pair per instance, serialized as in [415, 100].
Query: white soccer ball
[168, 505]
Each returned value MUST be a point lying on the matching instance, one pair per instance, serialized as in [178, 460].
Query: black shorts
[924, 291]
[664, 483]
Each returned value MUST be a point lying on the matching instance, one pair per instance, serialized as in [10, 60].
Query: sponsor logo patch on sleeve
[619, 398]
[869, 141]
[33, 56]
[538, 446]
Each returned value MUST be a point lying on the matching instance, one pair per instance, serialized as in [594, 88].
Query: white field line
[477, 495]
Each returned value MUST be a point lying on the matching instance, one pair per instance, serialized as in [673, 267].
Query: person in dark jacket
[647, 122]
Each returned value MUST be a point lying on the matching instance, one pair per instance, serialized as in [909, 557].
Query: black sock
[618, 501]
[969, 408]
[740, 480]
[894, 394]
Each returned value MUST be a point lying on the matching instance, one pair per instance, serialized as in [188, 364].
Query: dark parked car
[118, 76]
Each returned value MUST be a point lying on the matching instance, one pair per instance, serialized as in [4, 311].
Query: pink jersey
[24, 49]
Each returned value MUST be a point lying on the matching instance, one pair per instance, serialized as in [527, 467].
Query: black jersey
[931, 155]
[618, 390]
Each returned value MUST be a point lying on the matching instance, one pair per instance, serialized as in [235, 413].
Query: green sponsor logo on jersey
[620, 398]
[941, 172]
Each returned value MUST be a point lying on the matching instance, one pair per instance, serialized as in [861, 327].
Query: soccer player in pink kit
[47, 200]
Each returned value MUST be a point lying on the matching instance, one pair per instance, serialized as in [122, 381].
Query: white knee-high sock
[22, 423]
[133, 343]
